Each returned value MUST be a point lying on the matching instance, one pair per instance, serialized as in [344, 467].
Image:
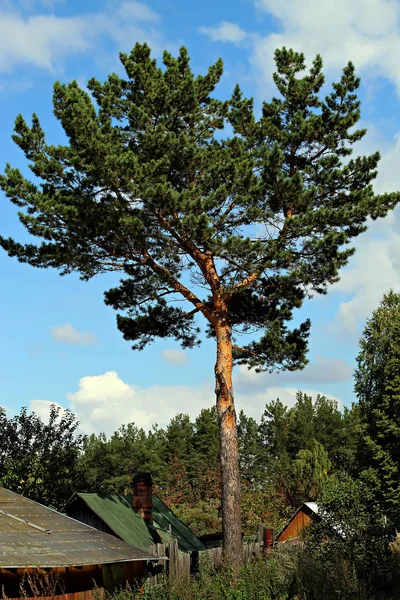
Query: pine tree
[242, 225]
[377, 385]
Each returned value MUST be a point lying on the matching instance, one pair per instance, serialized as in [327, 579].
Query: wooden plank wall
[180, 564]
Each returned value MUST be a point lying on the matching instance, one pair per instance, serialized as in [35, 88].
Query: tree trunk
[231, 518]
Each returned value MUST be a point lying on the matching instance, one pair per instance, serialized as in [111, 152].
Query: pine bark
[229, 454]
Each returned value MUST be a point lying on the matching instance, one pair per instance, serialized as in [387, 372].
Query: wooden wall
[79, 511]
[295, 527]
[69, 583]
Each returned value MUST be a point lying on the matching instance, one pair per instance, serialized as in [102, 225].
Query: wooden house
[140, 518]
[46, 553]
[304, 516]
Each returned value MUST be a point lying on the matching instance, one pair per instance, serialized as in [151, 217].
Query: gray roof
[32, 535]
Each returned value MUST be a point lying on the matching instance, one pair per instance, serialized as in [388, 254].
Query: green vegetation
[295, 574]
[377, 385]
[40, 460]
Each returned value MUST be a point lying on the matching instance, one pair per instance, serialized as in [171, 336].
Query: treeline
[285, 458]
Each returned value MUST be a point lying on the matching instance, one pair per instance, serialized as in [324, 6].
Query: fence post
[173, 562]
[260, 533]
[268, 539]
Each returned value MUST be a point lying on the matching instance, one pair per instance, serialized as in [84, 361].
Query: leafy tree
[108, 464]
[377, 385]
[353, 530]
[304, 478]
[241, 227]
[329, 427]
[39, 460]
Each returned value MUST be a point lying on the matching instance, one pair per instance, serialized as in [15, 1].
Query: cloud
[224, 32]
[66, 334]
[375, 266]
[367, 33]
[45, 40]
[174, 356]
[42, 408]
[102, 403]
[40, 41]
[322, 370]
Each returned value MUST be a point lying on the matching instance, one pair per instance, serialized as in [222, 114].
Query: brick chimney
[142, 489]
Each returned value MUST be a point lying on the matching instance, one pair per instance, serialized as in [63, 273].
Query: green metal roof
[116, 511]
[164, 517]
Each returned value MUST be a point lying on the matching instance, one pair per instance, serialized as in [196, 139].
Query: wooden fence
[173, 564]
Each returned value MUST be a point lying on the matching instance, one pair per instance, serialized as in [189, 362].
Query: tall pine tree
[241, 226]
[377, 385]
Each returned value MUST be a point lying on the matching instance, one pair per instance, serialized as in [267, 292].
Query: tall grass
[284, 575]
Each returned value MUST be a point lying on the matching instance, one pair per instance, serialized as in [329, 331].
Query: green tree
[179, 439]
[329, 427]
[301, 425]
[108, 464]
[377, 386]
[352, 540]
[274, 429]
[37, 459]
[252, 457]
[240, 226]
[304, 478]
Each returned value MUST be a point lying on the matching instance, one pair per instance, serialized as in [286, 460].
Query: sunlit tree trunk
[231, 518]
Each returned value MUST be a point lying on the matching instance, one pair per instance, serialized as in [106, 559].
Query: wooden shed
[140, 518]
[46, 553]
[306, 514]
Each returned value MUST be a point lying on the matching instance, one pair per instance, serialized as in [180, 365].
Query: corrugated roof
[116, 511]
[164, 517]
[32, 535]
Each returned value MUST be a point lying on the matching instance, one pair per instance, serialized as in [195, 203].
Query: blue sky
[60, 343]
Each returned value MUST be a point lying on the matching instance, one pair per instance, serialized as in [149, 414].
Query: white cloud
[375, 267]
[322, 370]
[224, 32]
[104, 402]
[45, 40]
[175, 356]
[42, 408]
[40, 40]
[365, 32]
[66, 334]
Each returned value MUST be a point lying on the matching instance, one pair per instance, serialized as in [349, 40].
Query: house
[140, 519]
[304, 516]
[42, 548]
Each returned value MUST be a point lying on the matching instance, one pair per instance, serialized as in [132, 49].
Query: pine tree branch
[178, 286]
[240, 349]
[202, 259]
